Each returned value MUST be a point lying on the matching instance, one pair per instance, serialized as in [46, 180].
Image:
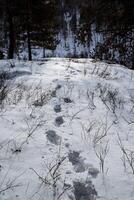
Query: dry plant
[90, 97]
[128, 155]
[110, 97]
[32, 95]
[103, 72]
[95, 131]
[38, 96]
[53, 179]
[74, 116]
[101, 151]
[42, 98]
[10, 185]
[86, 133]
[7, 183]
[32, 124]
[16, 94]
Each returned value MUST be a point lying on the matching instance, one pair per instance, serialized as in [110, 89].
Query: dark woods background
[101, 29]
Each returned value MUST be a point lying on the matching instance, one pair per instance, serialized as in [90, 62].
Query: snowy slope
[67, 131]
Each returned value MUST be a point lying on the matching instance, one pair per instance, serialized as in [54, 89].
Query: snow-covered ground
[66, 130]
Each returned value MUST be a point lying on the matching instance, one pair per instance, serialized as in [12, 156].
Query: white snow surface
[101, 113]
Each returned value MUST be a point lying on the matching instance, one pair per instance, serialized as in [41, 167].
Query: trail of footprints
[81, 191]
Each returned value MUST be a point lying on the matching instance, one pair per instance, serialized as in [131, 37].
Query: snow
[99, 113]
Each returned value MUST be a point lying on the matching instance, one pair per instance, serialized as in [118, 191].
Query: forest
[101, 29]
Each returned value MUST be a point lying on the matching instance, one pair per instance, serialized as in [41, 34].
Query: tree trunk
[11, 37]
[28, 30]
[133, 60]
[44, 52]
[29, 45]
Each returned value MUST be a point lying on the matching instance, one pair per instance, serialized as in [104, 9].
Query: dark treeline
[28, 22]
[104, 28]
[114, 21]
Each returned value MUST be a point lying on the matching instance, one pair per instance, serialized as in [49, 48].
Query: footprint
[67, 100]
[93, 171]
[58, 87]
[84, 191]
[59, 121]
[53, 137]
[57, 108]
[77, 161]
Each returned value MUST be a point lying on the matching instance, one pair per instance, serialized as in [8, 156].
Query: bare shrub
[101, 151]
[95, 131]
[7, 183]
[110, 97]
[33, 96]
[10, 185]
[16, 94]
[53, 178]
[127, 155]
[90, 97]
[31, 126]
[38, 96]
[103, 72]
[42, 99]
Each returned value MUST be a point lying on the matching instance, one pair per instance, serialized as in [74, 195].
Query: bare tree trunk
[29, 45]
[28, 32]
[11, 36]
[44, 55]
[133, 60]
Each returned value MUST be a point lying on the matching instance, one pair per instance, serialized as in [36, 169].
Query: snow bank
[66, 130]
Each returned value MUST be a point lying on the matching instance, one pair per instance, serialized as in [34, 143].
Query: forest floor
[66, 130]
